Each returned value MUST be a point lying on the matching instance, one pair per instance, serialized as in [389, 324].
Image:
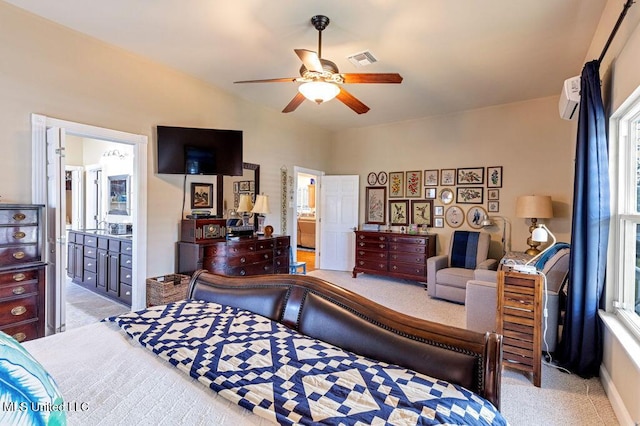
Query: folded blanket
[290, 378]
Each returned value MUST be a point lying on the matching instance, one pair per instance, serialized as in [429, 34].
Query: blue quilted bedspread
[290, 378]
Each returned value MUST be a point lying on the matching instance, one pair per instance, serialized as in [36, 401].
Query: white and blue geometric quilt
[289, 378]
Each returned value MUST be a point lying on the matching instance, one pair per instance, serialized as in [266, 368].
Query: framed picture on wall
[396, 184]
[438, 210]
[447, 177]
[493, 206]
[376, 205]
[493, 194]
[494, 177]
[438, 222]
[399, 212]
[454, 216]
[430, 193]
[469, 195]
[470, 176]
[475, 215]
[413, 187]
[431, 178]
[422, 212]
[201, 195]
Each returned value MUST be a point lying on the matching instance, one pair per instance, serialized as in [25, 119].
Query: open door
[338, 221]
[56, 235]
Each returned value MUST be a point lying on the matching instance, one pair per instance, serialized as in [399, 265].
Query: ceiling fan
[321, 80]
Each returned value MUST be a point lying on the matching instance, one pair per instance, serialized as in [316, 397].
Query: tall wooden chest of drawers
[394, 254]
[22, 271]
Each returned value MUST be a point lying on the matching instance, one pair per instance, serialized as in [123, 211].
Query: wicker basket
[167, 289]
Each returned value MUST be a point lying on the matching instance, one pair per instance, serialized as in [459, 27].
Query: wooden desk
[519, 319]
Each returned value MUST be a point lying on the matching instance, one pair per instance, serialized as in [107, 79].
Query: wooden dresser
[394, 254]
[22, 271]
[236, 257]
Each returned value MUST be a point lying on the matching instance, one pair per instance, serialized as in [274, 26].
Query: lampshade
[486, 221]
[245, 204]
[539, 234]
[262, 205]
[534, 206]
[542, 233]
[319, 91]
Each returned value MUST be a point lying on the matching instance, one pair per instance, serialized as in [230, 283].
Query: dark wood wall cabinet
[394, 254]
[237, 257]
[101, 263]
[22, 271]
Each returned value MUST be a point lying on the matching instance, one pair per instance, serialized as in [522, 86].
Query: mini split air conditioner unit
[570, 98]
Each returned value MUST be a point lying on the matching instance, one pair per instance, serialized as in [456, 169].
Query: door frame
[294, 232]
[39, 125]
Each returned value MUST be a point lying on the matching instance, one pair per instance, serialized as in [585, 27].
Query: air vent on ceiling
[362, 59]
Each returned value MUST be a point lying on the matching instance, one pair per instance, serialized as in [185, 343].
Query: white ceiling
[453, 55]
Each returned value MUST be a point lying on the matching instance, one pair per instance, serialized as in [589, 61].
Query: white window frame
[625, 218]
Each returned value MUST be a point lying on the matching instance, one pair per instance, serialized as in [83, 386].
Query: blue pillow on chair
[465, 249]
[28, 394]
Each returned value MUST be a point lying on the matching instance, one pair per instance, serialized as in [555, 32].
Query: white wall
[51, 70]
[528, 139]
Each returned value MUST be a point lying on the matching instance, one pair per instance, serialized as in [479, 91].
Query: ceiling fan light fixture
[319, 91]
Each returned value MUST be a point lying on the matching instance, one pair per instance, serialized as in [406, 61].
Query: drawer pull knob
[128, 248]
[128, 293]
[394, 267]
[361, 244]
[19, 277]
[18, 235]
[18, 310]
[18, 290]
[243, 259]
[20, 337]
[381, 246]
[266, 255]
[19, 216]
[243, 272]
[18, 255]
[89, 264]
[128, 276]
[128, 262]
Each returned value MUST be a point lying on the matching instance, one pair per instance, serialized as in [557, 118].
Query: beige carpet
[86, 307]
[563, 399]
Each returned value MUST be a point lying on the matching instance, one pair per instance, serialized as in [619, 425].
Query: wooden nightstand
[519, 320]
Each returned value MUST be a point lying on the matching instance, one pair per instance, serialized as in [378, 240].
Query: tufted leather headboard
[327, 312]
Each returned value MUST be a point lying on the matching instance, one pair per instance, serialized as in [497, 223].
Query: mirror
[229, 188]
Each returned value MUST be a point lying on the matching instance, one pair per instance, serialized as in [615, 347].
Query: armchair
[447, 275]
[481, 299]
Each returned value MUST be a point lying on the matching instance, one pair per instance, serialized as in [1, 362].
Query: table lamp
[244, 207]
[261, 208]
[534, 207]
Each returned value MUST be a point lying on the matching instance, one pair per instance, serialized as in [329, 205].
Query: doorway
[305, 237]
[48, 177]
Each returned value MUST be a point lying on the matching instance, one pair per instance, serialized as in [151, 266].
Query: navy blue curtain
[581, 347]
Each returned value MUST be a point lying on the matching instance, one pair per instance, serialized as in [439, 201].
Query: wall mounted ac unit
[570, 98]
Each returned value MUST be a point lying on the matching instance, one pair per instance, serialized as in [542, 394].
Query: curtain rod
[625, 8]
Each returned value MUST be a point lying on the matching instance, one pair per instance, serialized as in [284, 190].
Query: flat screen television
[196, 151]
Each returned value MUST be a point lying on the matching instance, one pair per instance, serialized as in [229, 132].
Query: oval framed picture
[475, 215]
[382, 178]
[446, 196]
[372, 179]
[454, 216]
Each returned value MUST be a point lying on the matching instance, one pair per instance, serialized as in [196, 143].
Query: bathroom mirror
[119, 200]
[228, 188]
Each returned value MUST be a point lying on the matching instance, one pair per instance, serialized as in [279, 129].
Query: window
[624, 260]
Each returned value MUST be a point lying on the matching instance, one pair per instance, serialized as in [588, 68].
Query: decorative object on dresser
[520, 321]
[22, 271]
[260, 209]
[101, 263]
[534, 207]
[394, 254]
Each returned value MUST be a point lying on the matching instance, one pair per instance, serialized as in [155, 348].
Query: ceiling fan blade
[372, 78]
[295, 102]
[310, 59]
[352, 102]
[270, 80]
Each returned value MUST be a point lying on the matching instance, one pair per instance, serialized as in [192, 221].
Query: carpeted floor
[86, 307]
[563, 399]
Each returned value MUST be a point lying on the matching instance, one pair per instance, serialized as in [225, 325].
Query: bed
[288, 349]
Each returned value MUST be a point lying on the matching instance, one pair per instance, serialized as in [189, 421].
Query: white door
[75, 209]
[338, 219]
[94, 215]
[56, 235]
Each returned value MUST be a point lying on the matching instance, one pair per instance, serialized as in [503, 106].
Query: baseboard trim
[617, 404]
